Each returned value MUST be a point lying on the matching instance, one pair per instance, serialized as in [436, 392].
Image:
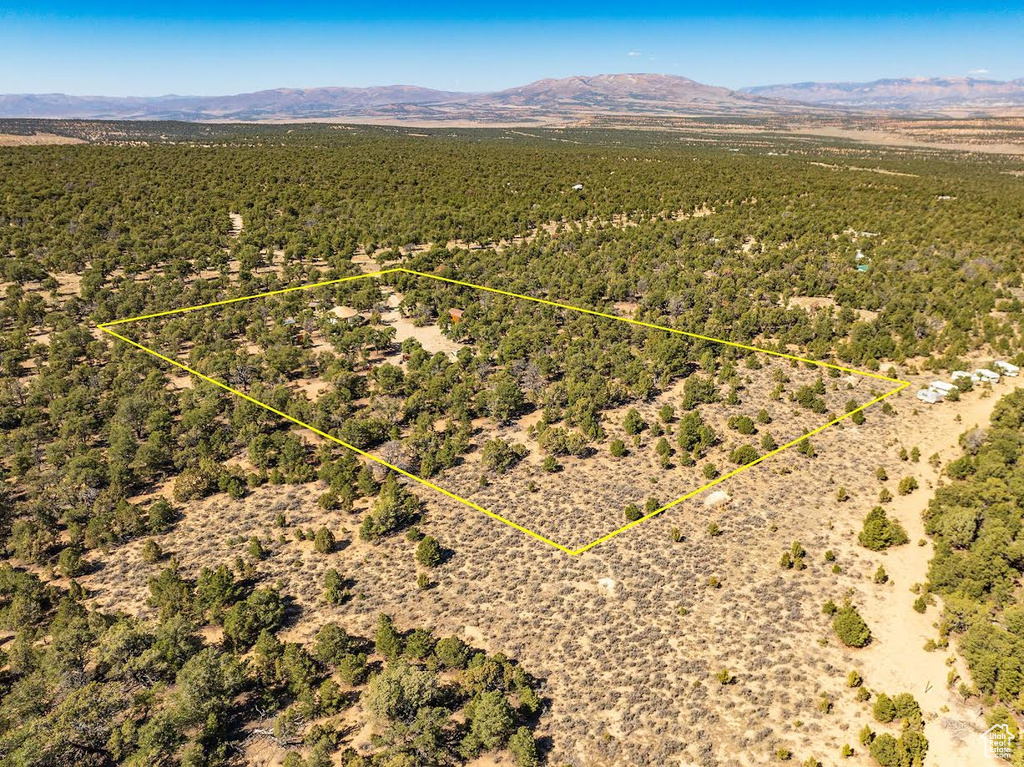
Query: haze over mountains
[570, 97]
[907, 93]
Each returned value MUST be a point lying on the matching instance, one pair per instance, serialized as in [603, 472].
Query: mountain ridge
[567, 97]
[901, 93]
[638, 92]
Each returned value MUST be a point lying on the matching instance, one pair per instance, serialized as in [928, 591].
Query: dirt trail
[896, 661]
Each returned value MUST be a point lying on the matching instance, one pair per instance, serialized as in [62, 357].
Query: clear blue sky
[228, 46]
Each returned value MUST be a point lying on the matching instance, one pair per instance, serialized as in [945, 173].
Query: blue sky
[206, 48]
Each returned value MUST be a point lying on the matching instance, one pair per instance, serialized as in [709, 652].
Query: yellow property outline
[106, 328]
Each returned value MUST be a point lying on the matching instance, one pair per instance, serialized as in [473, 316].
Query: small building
[456, 315]
[989, 376]
[1006, 368]
[942, 386]
[577, 187]
[930, 396]
[958, 374]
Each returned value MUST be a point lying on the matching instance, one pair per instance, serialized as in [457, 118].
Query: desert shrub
[695, 435]
[634, 423]
[243, 622]
[332, 643]
[193, 484]
[743, 424]
[418, 644]
[743, 455]
[428, 552]
[216, 591]
[324, 541]
[499, 455]
[884, 709]
[452, 653]
[698, 390]
[151, 552]
[523, 748]
[161, 516]
[395, 508]
[256, 550]
[618, 448]
[806, 447]
[907, 486]
[69, 562]
[850, 627]
[491, 720]
[633, 513]
[335, 592]
[386, 639]
[399, 692]
[880, 532]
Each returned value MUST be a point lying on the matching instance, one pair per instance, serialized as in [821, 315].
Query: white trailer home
[1006, 368]
[930, 396]
[942, 387]
[987, 375]
[974, 377]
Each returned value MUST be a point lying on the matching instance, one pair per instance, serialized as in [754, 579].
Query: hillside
[644, 93]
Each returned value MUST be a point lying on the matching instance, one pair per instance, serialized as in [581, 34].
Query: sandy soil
[896, 659]
[430, 336]
[236, 224]
[886, 138]
[36, 139]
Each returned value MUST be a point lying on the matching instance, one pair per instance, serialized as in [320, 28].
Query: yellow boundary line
[105, 327]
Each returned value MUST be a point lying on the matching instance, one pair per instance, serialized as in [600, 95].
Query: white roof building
[975, 378]
[1006, 368]
[929, 395]
[987, 375]
[942, 386]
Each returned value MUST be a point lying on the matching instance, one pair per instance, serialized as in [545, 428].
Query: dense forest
[920, 261]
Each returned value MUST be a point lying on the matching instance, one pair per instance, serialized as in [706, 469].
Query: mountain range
[904, 94]
[570, 97]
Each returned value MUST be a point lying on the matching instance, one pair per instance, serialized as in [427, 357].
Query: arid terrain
[162, 533]
[604, 629]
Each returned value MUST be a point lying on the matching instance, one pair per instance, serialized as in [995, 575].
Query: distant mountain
[552, 99]
[913, 94]
[644, 93]
[630, 91]
[296, 103]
